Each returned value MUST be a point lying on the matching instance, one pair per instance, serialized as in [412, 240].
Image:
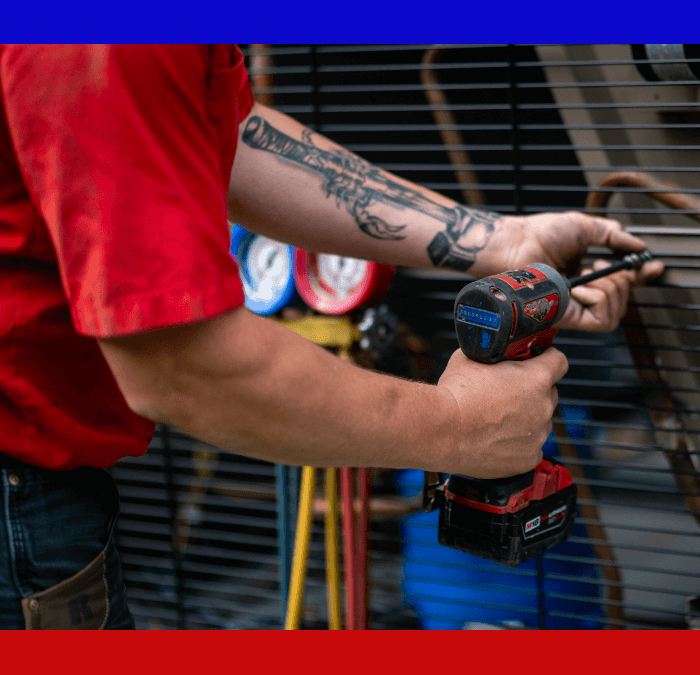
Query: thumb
[552, 361]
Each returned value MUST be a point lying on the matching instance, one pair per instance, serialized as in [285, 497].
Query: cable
[301, 549]
[346, 488]
[335, 621]
[362, 557]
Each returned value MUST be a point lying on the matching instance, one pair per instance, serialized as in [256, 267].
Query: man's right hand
[505, 411]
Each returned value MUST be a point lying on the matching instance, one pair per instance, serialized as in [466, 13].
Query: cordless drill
[510, 520]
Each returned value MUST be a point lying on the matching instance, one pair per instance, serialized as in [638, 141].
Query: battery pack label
[544, 523]
[531, 525]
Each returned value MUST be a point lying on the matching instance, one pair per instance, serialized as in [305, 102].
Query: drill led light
[478, 317]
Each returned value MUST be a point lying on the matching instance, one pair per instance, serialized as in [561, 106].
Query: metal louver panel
[518, 129]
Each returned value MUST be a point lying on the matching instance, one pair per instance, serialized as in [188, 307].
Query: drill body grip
[510, 520]
[510, 315]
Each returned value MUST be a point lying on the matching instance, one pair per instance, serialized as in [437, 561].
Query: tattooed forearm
[348, 178]
[358, 185]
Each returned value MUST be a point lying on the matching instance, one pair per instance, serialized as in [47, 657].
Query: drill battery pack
[507, 520]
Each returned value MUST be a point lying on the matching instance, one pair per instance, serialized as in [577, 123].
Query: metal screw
[34, 604]
[14, 479]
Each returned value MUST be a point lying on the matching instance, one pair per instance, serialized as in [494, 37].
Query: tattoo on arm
[445, 250]
[359, 185]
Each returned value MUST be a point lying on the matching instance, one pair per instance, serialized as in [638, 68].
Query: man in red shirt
[122, 306]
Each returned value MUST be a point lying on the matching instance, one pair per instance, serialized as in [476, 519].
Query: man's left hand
[600, 305]
[561, 240]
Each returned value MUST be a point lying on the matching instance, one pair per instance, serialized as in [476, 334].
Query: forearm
[248, 385]
[299, 187]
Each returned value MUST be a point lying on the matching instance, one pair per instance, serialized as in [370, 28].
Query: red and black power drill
[510, 520]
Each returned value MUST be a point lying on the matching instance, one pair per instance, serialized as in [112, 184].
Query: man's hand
[505, 411]
[561, 240]
[600, 305]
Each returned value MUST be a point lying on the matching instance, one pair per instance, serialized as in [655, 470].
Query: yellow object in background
[327, 331]
[338, 333]
[301, 549]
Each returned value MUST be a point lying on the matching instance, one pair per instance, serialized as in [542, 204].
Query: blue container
[448, 588]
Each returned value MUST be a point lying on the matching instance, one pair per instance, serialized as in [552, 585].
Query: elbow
[149, 407]
[146, 378]
[145, 403]
[167, 400]
[148, 395]
[170, 410]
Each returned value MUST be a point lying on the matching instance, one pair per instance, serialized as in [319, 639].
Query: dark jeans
[59, 566]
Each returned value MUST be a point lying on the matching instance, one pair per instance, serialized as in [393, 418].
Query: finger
[650, 271]
[555, 398]
[600, 304]
[604, 301]
[547, 432]
[587, 296]
[616, 290]
[610, 233]
[621, 240]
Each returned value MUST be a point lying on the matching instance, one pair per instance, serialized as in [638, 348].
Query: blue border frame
[361, 22]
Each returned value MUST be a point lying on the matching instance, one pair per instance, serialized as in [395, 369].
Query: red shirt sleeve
[127, 153]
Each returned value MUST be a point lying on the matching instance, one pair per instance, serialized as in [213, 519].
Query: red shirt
[114, 167]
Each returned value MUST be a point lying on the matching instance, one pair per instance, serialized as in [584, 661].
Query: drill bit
[633, 261]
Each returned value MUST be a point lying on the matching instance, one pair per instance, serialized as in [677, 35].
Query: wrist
[451, 422]
[503, 250]
[432, 426]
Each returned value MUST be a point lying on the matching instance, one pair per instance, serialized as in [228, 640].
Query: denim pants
[59, 566]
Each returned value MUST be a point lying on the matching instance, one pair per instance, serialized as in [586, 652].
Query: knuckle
[544, 415]
[559, 368]
[543, 380]
[609, 223]
[554, 400]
